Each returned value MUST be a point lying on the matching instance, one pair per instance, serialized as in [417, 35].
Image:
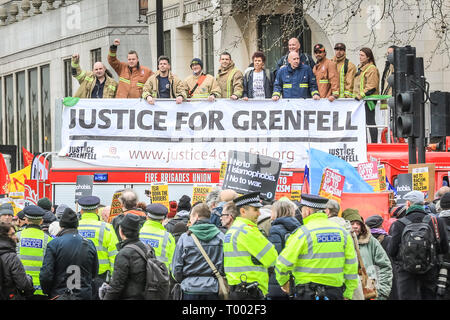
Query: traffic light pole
[420, 142]
[412, 150]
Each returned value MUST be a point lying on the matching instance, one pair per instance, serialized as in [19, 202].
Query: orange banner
[368, 204]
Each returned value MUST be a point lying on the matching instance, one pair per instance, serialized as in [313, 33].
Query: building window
[207, 34]
[96, 55]
[273, 37]
[33, 102]
[9, 108]
[67, 77]
[167, 45]
[46, 107]
[22, 115]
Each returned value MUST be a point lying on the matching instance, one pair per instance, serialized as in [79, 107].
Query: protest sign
[284, 185]
[160, 193]
[116, 206]
[200, 191]
[296, 192]
[423, 178]
[332, 185]
[382, 177]
[84, 186]
[369, 172]
[248, 172]
[223, 170]
[404, 185]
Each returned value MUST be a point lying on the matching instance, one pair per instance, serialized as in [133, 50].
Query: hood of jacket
[204, 230]
[444, 214]
[289, 223]
[223, 71]
[182, 214]
[364, 239]
[7, 245]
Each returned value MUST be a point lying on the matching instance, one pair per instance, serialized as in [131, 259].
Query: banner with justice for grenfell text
[133, 133]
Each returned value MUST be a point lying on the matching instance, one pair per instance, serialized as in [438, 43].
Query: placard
[420, 179]
[382, 177]
[369, 172]
[116, 206]
[200, 192]
[404, 185]
[160, 193]
[332, 185]
[84, 185]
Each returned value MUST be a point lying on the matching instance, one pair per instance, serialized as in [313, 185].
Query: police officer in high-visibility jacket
[154, 234]
[247, 253]
[102, 234]
[320, 255]
[32, 245]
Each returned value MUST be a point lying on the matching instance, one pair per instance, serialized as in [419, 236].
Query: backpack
[157, 275]
[418, 245]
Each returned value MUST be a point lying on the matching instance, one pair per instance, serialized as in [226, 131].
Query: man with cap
[346, 70]
[22, 222]
[413, 286]
[155, 235]
[54, 228]
[200, 85]
[102, 234]
[320, 255]
[129, 277]
[66, 255]
[326, 74]
[6, 213]
[49, 217]
[32, 245]
[376, 262]
[247, 253]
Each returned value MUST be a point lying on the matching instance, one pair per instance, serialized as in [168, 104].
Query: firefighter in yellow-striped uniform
[200, 85]
[31, 246]
[93, 84]
[102, 234]
[229, 78]
[247, 253]
[320, 255]
[346, 70]
[132, 76]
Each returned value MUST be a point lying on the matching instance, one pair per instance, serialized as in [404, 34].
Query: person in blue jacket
[295, 81]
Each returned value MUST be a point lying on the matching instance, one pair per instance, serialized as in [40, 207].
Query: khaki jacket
[369, 77]
[387, 90]
[87, 80]
[327, 78]
[207, 88]
[346, 80]
[151, 87]
[231, 81]
[131, 82]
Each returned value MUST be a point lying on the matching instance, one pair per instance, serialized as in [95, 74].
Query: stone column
[25, 6]
[37, 4]
[3, 16]
[13, 11]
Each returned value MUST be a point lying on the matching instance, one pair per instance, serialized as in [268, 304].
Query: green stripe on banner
[377, 97]
[70, 101]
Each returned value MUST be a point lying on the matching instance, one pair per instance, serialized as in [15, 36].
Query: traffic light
[407, 83]
[440, 114]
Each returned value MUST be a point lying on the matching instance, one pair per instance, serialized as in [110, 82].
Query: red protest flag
[4, 176]
[27, 157]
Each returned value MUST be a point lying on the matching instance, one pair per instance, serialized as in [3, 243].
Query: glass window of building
[68, 77]
[167, 45]
[96, 55]
[46, 108]
[22, 115]
[207, 34]
[33, 102]
[9, 108]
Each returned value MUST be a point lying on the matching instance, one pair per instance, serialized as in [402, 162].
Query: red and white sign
[369, 172]
[332, 185]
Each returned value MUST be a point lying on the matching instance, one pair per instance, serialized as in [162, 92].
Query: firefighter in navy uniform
[247, 253]
[31, 247]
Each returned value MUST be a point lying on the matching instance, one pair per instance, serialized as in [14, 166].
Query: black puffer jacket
[128, 280]
[15, 280]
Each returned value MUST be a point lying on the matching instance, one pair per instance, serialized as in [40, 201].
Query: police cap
[89, 202]
[313, 201]
[33, 212]
[156, 211]
[250, 199]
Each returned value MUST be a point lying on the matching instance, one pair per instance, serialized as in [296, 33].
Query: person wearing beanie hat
[60, 256]
[376, 261]
[173, 205]
[102, 234]
[412, 286]
[128, 279]
[200, 85]
[155, 235]
[6, 213]
[33, 242]
[306, 256]
[183, 212]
